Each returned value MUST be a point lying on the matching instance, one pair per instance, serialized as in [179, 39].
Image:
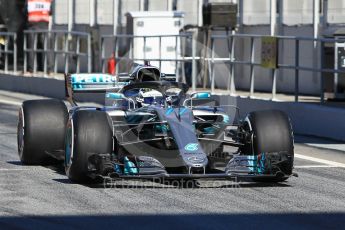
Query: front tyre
[272, 133]
[88, 132]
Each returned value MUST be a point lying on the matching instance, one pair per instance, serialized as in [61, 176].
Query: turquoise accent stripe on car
[226, 119]
[202, 95]
[169, 111]
[183, 110]
[115, 96]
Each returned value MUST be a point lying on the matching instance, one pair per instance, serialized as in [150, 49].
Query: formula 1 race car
[151, 128]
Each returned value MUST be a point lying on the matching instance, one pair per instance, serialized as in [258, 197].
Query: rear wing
[90, 83]
[101, 83]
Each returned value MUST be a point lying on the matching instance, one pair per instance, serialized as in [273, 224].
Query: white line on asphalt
[13, 169]
[321, 161]
[24, 168]
[10, 102]
[314, 166]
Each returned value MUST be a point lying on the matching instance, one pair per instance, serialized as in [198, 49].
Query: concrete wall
[33, 85]
[256, 13]
[191, 9]
[336, 11]
[159, 5]
[61, 12]
[307, 119]
[297, 12]
[104, 12]
[82, 12]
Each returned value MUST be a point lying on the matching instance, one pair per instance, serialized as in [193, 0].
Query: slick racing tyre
[272, 133]
[41, 129]
[88, 132]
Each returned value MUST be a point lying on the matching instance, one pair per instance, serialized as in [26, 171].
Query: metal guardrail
[129, 55]
[8, 50]
[71, 48]
[319, 43]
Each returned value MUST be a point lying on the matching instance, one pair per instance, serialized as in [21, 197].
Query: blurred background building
[310, 18]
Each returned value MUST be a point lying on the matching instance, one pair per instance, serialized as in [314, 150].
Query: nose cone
[181, 125]
[199, 160]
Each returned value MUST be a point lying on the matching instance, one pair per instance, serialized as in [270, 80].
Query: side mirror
[116, 99]
[115, 96]
[124, 77]
[201, 95]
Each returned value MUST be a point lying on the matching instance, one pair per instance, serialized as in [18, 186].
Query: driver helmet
[150, 97]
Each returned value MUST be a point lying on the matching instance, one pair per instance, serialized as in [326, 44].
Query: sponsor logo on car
[191, 147]
[92, 78]
[195, 159]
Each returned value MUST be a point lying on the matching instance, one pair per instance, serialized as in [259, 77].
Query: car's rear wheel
[88, 132]
[272, 133]
[41, 129]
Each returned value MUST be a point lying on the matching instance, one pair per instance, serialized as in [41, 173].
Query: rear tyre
[41, 129]
[88, 132]
[272, 132]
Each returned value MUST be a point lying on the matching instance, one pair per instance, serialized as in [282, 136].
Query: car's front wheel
[272, 133]
[88, 132]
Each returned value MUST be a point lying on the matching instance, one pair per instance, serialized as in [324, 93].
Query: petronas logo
[191, 147]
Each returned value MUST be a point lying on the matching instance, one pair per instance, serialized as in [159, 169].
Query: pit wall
[307, 119]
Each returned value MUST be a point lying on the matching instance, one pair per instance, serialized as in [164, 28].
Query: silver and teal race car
[151, 127]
